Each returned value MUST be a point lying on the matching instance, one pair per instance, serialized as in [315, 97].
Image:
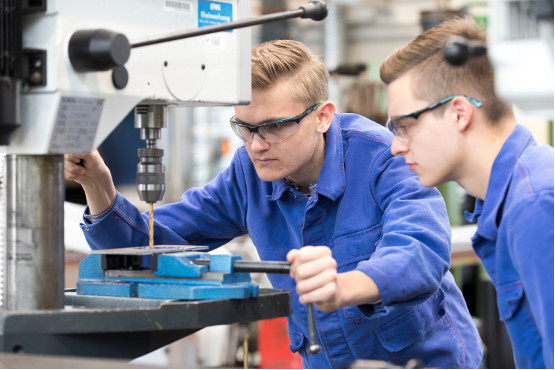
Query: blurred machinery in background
[520, 46]
[70, 71]
[363, 96]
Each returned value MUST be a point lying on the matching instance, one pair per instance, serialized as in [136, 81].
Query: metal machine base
[122, 327]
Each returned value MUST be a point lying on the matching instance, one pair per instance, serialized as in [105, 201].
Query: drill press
[73, 70]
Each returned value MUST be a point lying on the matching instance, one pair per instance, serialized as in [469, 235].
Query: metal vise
[164, 273]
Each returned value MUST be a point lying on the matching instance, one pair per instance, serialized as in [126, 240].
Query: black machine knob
[316, 10]
[120, 77]
[98, 50]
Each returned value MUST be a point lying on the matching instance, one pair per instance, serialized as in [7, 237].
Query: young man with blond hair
[460, 130]
[367, 243]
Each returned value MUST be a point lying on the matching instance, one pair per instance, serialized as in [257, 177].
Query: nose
[258, 143]
[399, 146]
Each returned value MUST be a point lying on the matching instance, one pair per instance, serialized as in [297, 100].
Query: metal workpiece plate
[157, 249]
[121, 327]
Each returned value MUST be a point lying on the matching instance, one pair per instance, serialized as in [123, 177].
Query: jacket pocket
[405, 330]
[354, 315]
[352, 248]
[509, 298]
[297, 340]
[425, 332]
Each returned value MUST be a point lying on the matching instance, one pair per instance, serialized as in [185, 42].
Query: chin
[268, 176]
[428, 182]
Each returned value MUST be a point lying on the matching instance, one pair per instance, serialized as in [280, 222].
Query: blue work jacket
[514, 240]
[373, 214]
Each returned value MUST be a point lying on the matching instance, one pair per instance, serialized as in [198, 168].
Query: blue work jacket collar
[331, 181]
[499, 181]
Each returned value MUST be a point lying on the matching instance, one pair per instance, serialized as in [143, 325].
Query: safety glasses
[271, 131]
[402, 125]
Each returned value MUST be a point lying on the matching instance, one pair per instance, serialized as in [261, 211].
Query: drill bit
[151, 226]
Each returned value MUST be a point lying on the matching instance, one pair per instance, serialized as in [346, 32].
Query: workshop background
[353, 40]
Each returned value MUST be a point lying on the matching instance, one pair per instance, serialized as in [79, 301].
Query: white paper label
[76, 124]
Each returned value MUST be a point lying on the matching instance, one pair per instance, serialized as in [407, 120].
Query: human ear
[325, 116]
[463, 111]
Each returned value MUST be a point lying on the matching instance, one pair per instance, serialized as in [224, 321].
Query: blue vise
[164, 273]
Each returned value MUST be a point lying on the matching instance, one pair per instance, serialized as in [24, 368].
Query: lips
[264, 161]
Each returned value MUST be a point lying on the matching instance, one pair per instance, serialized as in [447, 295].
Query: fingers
[292, 255]
[72, 169]
[83, 167]
[313, 261]
[315, 271]
[310, 261]
[321, 290]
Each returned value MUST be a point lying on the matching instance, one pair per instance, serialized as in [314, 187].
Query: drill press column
[151, 181]
[34, 239]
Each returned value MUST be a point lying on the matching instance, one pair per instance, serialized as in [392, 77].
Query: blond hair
[275, 60]
[434, 78]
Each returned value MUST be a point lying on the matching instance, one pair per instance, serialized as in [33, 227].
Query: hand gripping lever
[275, 267]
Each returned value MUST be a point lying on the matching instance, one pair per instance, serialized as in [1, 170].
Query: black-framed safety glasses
[271, 131]
[400, 125]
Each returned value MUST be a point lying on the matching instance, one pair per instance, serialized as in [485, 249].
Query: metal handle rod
[270, 267]
[313, 346]
[223, 27]
[316, 10]
[274, 267]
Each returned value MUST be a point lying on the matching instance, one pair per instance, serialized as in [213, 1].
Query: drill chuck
[151, 178]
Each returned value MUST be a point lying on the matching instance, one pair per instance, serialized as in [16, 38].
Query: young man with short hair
[460, 130]
[367, 243]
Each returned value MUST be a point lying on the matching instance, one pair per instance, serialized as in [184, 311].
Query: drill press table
[124, 327]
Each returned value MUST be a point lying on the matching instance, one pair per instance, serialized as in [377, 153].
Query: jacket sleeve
[531, 247]
[414, 252]
[209, 216]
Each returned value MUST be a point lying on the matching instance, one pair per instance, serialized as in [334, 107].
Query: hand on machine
[91, 172]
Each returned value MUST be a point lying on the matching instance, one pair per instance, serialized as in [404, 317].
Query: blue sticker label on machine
[214, 12]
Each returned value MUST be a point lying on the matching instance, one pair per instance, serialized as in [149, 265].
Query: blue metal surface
[166, 276]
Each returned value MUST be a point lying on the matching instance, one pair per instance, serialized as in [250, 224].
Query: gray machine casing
[64, 116]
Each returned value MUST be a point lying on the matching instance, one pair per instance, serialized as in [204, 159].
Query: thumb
[292, 255]
[291, 258]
